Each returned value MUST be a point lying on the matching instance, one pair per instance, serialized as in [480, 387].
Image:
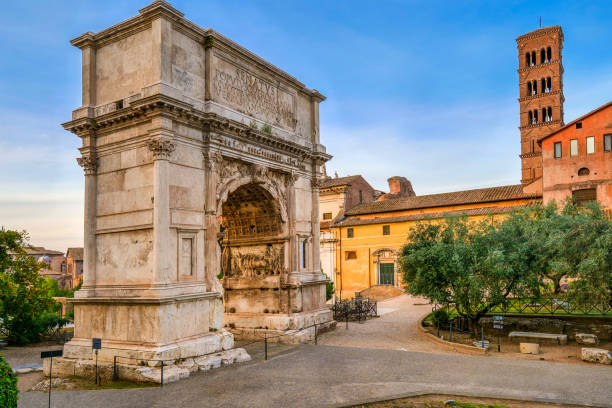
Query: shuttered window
[349, 233]
[590, 145]
[574, 147]
[607, 143]
[557, 150]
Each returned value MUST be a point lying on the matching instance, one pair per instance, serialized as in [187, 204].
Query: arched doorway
[253, 244]
[387, 271]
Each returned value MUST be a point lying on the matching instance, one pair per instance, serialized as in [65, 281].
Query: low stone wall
[570, 325]
[456, 347]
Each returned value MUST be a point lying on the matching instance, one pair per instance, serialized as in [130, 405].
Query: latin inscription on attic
[252, 95]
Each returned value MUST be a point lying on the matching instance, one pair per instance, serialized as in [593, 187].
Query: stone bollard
[530, 348]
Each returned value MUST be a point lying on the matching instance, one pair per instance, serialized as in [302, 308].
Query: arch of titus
[200, 158]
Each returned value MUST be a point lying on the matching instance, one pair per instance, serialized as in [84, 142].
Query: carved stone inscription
[252, 95]
[257, 261]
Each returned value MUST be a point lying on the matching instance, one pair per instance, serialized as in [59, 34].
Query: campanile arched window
[543, 85]
[548, 54]
[529, 89]
[544, 118]
[550, 114]
[528, 59]
[548, 85]
[533, 58]
[530, 118]
[535, 117]
[534, 87]
[543, 56]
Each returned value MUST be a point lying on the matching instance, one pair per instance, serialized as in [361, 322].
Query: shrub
[440, 317]
[329, 290]
[8, 385]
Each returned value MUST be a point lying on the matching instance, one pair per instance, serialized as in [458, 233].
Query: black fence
[356, 309]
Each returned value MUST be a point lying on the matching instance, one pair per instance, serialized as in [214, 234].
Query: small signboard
[96, 344]
[498, 322]
[51, 353]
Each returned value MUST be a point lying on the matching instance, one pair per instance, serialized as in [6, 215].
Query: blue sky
[421, 89]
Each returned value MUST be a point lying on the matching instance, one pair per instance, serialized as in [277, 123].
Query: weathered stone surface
[539, 337]
[569, 325]
[585, 338]
[530, 348]
[188, 364]
[596, 355]
[208, 362]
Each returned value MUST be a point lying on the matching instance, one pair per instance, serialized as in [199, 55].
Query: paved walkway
[395, 329]
[324, 376]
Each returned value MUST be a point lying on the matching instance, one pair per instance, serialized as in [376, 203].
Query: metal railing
[550, 307]
[354, 309]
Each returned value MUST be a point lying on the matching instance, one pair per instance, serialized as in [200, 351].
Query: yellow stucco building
[369, 236]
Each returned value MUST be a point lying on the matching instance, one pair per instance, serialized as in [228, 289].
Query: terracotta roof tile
[77, 253]
[340, 181]
[481, 195]
[353, 221]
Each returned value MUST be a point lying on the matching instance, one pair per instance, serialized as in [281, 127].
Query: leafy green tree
[586, 256]
[9, 393]
[472, 266]
[23, 295]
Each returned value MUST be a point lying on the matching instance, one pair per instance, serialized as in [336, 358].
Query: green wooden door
[386, 274]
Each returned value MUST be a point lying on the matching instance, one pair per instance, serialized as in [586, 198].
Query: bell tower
[540, 96]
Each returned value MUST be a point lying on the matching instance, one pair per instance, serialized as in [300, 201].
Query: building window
[557, 150]
[579, 125]
[360, 196]
[590, 145]
[550, 114]
[543, 85]
[583, 172]
[386, 230]
[548, 54]
[544, 117]
[574, 147]
[582, 197]
[530, 118]
[534, 87]
[529, 89]
[607, 143]
[350, 233]
[543, 56]
[528, 59]
[535, 117]
[533, 58]
[327, 216]
[548, 85]
[350, 255]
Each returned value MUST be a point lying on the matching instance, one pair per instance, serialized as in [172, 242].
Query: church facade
[369, 236]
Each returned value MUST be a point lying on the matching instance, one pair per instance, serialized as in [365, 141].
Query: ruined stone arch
[241, 180]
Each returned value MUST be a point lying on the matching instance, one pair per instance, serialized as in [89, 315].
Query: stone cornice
[542, 124]
[546, 64]
[179, 110]
[541, 32]
[528, 155]
[540, 95]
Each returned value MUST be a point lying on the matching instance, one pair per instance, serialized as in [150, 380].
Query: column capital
[162, 147]
[89, 164]
[212, 160]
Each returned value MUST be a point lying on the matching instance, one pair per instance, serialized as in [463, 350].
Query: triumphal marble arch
[201, 166]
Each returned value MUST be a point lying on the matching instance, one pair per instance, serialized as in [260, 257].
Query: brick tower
[541, 97]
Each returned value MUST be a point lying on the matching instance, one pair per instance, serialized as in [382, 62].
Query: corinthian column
[89, 163]
[162, 147]
[316, 258]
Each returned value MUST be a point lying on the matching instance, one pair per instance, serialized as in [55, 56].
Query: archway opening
[253, 246]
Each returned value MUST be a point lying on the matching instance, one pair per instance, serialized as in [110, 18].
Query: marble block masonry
[201, 165]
